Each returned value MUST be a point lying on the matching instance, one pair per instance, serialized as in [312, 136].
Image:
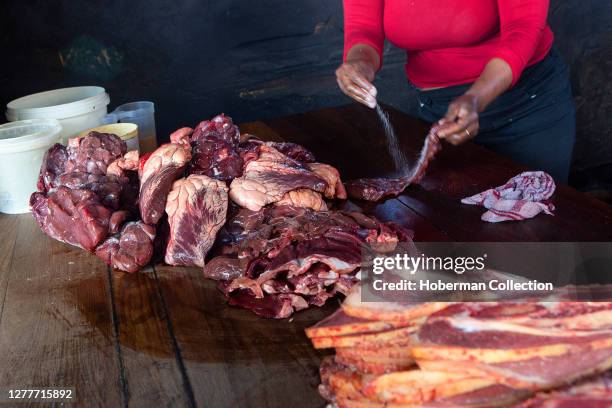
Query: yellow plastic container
[128, 132]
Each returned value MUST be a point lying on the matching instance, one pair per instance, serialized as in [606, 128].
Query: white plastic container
[77, 108]
[128, 132]
[22, 147]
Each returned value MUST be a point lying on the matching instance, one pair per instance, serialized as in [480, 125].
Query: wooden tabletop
[166, 337]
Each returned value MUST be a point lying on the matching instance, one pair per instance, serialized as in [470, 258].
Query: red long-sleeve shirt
[449, 42]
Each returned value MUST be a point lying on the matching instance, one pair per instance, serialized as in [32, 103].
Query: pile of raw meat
[478, 354]
[280, 251]
[285, 258]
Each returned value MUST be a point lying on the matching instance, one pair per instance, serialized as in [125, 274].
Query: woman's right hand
[355, 78]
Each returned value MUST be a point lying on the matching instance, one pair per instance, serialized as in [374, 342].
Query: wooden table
[165, 337]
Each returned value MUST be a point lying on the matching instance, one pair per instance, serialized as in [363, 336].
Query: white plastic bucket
[22, 147]
[77, 108]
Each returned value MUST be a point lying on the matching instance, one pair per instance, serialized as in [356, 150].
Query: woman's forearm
[364, 53]
[495, 79]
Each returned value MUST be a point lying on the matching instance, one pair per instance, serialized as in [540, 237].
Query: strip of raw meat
[165, 165]
[550, 312]
[93, 153]
[196, 209]
[403, 336]
[522, 197]
[52, 167]
[267, 179]
[518, 355]
[376, 189]
[340, 324]
[335, 188]
[75, 217]
[405, 311]
[303, 198]
[129, 162]
[499, 336]
[529, 324]
[533, 373]
[375, 360]
[419, 387]
[340, 251]
[131, 249]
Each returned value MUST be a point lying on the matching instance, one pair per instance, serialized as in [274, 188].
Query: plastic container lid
[124, 130]
[58, 104]
[28, 135]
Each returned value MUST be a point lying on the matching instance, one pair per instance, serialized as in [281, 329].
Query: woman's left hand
[460, 123]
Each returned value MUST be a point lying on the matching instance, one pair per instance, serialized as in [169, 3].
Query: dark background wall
[252, 60]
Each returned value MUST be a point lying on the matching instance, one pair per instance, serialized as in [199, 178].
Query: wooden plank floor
[166, 337]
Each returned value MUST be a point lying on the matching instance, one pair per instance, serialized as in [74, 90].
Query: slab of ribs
[253, 214]
[548, 351]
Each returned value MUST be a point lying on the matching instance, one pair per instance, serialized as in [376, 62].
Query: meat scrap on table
[549, 351]
[280, 251]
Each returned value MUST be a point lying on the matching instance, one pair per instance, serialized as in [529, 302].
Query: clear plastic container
[77, 108]
[23, 145]
[141, 113]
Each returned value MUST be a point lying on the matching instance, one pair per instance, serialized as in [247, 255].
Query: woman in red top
[482, 68]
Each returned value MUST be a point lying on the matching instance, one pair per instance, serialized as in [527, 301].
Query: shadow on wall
[196, 58]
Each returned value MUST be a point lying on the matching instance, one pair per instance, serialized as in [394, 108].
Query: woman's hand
[355, 76]
[460, 123]
[355, 80]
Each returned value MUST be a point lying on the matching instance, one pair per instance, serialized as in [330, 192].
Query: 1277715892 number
[36, 394]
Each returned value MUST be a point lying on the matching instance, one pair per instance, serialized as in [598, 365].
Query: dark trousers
[534, 123]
